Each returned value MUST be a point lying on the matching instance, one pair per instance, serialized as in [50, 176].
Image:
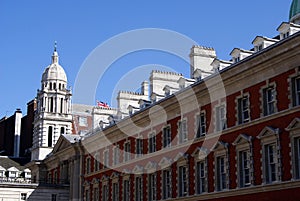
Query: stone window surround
[244, 143]
[127, 155]
[87, 187]
[221, 150]
[115, 180]
[96, 161]
[105, 151]
[200, 155]
[294, 132]
[139, 137]
[95, 182]
[150, 168]
[105, 182]
[116, 154]
[268, 136]
[196, 123]
[290, 80]
[216, 118]
[242, 95]
[162, 139]
[165, 164]
[184, 119]
[182, 161]
[261, 98]
[152, 134]
[126, 177]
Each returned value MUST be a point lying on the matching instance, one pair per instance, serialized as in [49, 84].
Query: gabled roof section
[64, 141]
[268, 131]
[294, 124]
[13, 169]
[259, 39]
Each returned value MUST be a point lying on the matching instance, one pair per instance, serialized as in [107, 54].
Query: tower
[295, 12]
[53, 116]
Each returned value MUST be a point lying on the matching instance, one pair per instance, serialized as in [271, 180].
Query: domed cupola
[295, 12]
[54, 72]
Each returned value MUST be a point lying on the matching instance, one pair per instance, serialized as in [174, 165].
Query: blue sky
[28, 30]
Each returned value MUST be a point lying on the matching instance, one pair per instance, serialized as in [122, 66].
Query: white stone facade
[53, 116]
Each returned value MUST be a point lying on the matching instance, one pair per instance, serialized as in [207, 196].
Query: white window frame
[270, 137]
[166, 136]
[200, 157]
[139, 147]
[295, 86]
[221, 117]
[96, 190]
[243, 143]
[152, 142]
[96, 162]
[138, 190]
[268, 104]
[294, 134]
[166, 185]
[182, 175]
[243, 111]
[182, 130]
[221, 175]
[126, 191]
[152, 187]
[116, 154]
[106, 158]
[200, 124]
[127, 151]
[115, 191]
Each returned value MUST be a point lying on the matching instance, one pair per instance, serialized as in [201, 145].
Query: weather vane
[55, 46]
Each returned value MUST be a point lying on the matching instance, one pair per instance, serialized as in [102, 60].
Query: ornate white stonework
[53, 116]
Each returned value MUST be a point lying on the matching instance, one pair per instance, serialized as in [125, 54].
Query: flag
[102, 104]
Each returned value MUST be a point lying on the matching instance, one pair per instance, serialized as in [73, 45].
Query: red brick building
[244, 146]
[234, 135]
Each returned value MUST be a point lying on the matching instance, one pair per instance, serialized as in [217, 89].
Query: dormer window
[258, 47]
[236, 59]
[285, 35]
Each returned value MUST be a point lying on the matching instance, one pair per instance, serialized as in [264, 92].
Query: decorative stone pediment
[165, 162]
[104, 178]
[114, 175]
[200, 153]
[150, 165]
[181, 156]
[86, 184]
[137, 169]
[126, 172]
[295, 124]
[242, 138]
[95, 181]
[268, 131]
[220, 146]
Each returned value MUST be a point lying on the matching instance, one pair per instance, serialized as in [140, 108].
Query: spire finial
[55, 54]
[55, 46]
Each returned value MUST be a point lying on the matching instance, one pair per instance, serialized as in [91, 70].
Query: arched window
[62, 130]
[51, 104]
[54, 86]
[50, 136]
[59, 86]
[50, 86]
[61, 105]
